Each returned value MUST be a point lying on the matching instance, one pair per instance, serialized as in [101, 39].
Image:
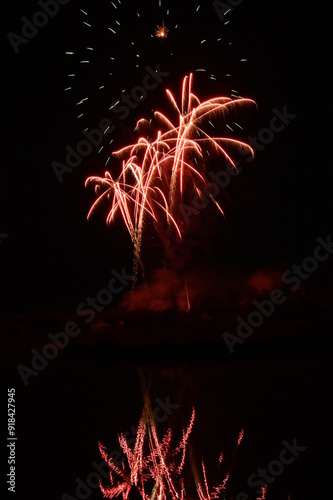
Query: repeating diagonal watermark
[264, 309]
[87, 309]
[31, 27]
[265, 476]
[84, 488]
[120, 107]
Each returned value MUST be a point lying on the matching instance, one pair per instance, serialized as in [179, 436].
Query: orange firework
[162, 32]
[157, 173]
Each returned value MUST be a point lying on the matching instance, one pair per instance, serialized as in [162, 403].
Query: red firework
[157, 173]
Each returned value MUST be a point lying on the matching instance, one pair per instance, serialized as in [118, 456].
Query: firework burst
[158, 172]
[161, 31]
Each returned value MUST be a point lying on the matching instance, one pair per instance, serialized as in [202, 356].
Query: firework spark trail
[192, 113]
[157, 173]
[154, 469]
[240, 437]
[263, 493]
[188, 303]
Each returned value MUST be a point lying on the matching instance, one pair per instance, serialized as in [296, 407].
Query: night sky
[51, 257]
[275, 209]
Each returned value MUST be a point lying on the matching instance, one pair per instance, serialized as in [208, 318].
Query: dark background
[53, 257]
[282, 200]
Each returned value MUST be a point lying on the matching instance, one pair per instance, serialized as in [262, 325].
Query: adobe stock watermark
[220, 181]
[264, 477]
[84, 488]
[87, 310]
[120, 107]
[293, 277]
[223, 9]
[30, 28]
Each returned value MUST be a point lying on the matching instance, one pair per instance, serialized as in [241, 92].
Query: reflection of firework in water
[154, 469]
[158, 173]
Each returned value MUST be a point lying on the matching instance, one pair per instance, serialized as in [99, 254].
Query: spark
[161, 32]
[187, 298]
[82, 101]
[113, 105]
[240, 437]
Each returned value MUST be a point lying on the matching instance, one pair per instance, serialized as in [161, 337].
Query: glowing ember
[161, 32]
[153, 468]
[159, 173]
